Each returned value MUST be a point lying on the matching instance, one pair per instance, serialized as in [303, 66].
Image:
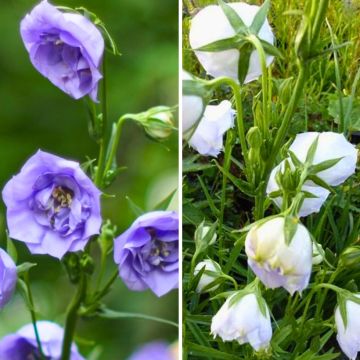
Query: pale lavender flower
[147, 253]
[22, 345]
[52, 206]
[157, 350]
[65, 47]
[8, 278]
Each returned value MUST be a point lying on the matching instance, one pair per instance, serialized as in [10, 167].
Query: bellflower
[348, 336]
[208, 136]
[157, 350]
[330, 146]
[22, 345]
[52, 206]
[65, 47]
[244, 322]
[309, 205]
[8, 278]
[210, 24]
[192, 107]
[147, 253]
[276, 263]
[206, 279]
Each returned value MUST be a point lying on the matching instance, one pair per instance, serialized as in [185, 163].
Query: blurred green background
[34, 114]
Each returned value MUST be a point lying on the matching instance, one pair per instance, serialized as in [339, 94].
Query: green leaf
[244, 61]
[25, 267]
[260, 17]
[309, 195]
[291, 224]
[351, 109]
[222, 45]
[271, 49]
[136, 210]
[327, 164]
[295, 159]
[234, 19]
[112, 314]
[164, 204]
[262, 305]
[342, 308]
[204, 351]
[312, 150]
[318, 181]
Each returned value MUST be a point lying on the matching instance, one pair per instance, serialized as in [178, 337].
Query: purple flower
[147, 253]
[157, 350]
[8, 278]
[22, 345]
[52, 206]
[66, 48]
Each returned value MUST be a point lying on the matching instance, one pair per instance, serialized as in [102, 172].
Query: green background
[34, 114]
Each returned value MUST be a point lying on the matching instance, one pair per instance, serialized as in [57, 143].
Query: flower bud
[309, 205]
[350, 257]
[330, 146]
[210, 24]
[254, 137]
[8, 278]
[208, 136]
[348, 335]
[192, 105]
[200, 234]
[244, 321]
[318, 254]
[159, 122]
[277, 262]
[206, 279]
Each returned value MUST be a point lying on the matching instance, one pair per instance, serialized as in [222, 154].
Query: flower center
[157, 252]
[63, 198]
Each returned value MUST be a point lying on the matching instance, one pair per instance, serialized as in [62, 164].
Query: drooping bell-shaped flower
[211, 25]
[206, 279]
[277, 261]
[244, 321]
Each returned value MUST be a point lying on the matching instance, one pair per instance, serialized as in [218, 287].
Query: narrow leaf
[137, 210]
[295, 159]
[244, 61]
[342, 308]
[312, 150]
[260, 17]
[327, 164]
[290, 228]
[318, 181]
[221, 45]
[271, 49]
[164, 204]
[234, 19]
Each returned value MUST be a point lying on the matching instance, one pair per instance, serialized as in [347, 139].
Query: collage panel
[89, 177]
[270, 207]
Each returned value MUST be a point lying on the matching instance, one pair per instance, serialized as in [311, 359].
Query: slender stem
[239, 110]
[102, 152]
[33, 315]
[71, 318]
[115, 143]
[227, 162]
[264, 82]
[107, 286]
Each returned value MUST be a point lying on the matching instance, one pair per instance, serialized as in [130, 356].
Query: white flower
[310, 205]
[349, 337]
[330, 146]
[276, 263]
[208, 136]
[243, 322]
[192, 107]
[210, 24]
[206, 279]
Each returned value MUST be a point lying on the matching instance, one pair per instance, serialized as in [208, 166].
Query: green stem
[107, 286]
[33, 316]
[71, 318]
[239, 110]
[264, 82]
[102, 152]
[114, 143]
